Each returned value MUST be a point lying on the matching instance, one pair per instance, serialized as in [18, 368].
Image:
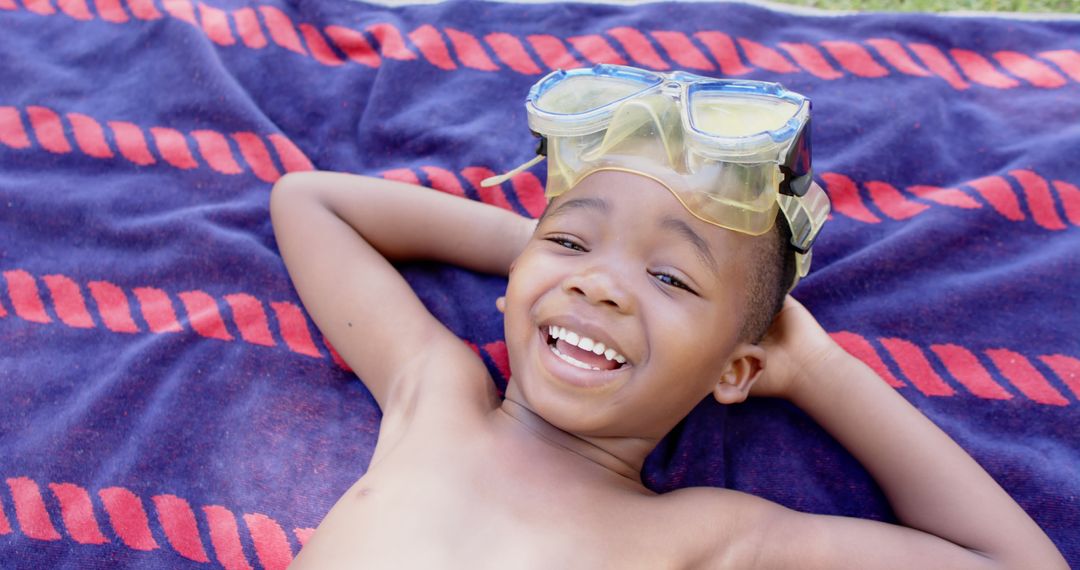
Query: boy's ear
[500, 304]
[745, 365]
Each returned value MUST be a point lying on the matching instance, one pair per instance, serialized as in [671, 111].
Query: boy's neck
[621, 456]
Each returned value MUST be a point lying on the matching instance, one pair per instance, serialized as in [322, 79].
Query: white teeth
[584, 343]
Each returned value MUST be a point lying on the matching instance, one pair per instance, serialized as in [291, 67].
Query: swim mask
[731, 151]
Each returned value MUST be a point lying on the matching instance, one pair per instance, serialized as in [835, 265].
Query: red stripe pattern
[998, 374]
[682, 51]
[1054, 205]
[855, 58]
[638, 46]
[12, 132]
[157, 310]
[271, 542]
[68, 301]
[113, 307]
[250, 318]
[90, 136]
[77, 9]
[810, 59]
[77, 513]
[1015, 372]
[256, 153]
[320, 50]
[173, 147]
[469, 50]
[132, 143]
[938, 63]
[656, 49]
[25, 298]
[30, 510]
[1041, 197]
[247, 26]
[431, 45]
[766, 57]
[294, 329]
[914, 365]
[861, 348]
[127, 518]
[181, 529]
[5, 525]
[980, 70]
[202, 312]
[225, 537]
[1019, 370]
[965, 367]
[48, 130]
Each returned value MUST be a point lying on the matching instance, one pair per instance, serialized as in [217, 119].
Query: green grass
[1061, 6]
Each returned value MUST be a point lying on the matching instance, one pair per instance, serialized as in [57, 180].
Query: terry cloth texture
[167, 403]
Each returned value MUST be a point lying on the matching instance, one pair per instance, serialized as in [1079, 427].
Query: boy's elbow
[289, 184]
[290, 190]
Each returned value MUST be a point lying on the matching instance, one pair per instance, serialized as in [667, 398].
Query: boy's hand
[796, 346]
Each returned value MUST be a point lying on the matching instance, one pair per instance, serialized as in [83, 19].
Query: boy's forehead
[628, 195]
[632, 195]
[604, 190]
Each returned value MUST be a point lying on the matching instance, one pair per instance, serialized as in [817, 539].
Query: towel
[167, 402]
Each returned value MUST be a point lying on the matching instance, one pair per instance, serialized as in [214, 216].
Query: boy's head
[618, 260]
[662, 258]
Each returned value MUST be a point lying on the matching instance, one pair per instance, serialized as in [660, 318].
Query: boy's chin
[581, 416]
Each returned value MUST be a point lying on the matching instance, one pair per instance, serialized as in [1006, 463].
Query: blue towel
[167, 403]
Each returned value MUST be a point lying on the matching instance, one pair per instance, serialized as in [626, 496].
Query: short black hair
[770, 276]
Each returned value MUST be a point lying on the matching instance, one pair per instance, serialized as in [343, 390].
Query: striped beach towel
[165, 402]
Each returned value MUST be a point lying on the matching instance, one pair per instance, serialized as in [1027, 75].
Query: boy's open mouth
[581, 351]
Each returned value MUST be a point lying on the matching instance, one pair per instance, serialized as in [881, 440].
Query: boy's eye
[567, 243]
[672, 281]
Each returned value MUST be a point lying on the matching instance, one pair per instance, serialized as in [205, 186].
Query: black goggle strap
[796, 167]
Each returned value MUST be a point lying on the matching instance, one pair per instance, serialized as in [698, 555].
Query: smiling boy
[624, 309]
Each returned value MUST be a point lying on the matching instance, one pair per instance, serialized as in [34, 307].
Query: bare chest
[435, 503]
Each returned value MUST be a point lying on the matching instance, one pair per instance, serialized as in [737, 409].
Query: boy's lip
[592, 380]
[587, 329]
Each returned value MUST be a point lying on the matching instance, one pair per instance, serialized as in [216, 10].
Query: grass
[1060, 6]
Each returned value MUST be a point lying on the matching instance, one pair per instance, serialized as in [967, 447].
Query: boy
[631, 299]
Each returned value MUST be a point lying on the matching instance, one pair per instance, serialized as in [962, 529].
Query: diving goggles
[732, 152]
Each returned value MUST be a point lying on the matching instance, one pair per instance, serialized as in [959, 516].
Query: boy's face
[619, 260]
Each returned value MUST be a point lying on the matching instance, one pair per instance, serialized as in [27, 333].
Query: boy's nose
[599, 287]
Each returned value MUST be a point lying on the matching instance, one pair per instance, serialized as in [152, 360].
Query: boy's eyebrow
[682, 228]
[587, 203]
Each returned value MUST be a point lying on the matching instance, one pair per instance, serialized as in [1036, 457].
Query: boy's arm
[956, 514]
[336, 233]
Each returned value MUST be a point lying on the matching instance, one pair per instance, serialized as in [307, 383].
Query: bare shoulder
[737, 530]
[722, 525]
